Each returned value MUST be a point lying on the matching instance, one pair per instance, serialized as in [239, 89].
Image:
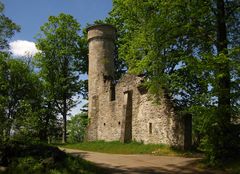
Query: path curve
[142, 164]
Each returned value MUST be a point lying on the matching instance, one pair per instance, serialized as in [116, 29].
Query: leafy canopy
[61, 61]
[188, 51]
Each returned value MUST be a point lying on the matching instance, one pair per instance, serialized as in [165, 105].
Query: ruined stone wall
[151, 122]
[130, 114]
[108, 122]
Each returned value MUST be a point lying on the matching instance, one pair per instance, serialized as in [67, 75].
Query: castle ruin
[125, 111]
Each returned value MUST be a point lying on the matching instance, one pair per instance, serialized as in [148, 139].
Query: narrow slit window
[112, 92]
[150, 128]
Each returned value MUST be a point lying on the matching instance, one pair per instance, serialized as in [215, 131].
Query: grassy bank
[22, 158]
[115, 147]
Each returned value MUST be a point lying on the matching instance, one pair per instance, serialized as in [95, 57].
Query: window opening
[112, 92]
[150, 128]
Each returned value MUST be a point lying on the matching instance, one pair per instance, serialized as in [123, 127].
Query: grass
[22, 158]
[115, 147]
[30, 165]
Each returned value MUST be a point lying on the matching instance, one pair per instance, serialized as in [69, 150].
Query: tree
[3, 93]
[7, 29]
[77, 127]
[62, 59]
[186, 50]
[18, 95]
[22, 108]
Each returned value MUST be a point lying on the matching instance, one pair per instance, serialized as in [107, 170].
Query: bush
[17, 149]
[222, 144]
[21, 158]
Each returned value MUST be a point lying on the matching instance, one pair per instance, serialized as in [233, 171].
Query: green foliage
[77, 127]
[7, 29]
[19, 97]
[28, 106]
[220, 148]
[61, 61]
[189, 51]
[30, 158]
[28, 164]
[20, 90]
[167, 59]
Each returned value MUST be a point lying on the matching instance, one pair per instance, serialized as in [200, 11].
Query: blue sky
[31, 14]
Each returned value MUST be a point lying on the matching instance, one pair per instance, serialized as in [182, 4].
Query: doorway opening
[126, 130]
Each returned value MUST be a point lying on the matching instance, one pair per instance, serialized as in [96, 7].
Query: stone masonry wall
[101, 51]
[151, 122]
[165, 126]
[131, 114]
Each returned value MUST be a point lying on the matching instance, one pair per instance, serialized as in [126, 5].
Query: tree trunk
[224, 105]
[64, 99]
[64, 126]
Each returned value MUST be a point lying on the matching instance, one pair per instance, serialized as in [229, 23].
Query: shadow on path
[142, 164]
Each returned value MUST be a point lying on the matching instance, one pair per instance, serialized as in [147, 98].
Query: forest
[188, 48]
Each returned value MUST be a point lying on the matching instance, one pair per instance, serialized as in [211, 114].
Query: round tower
[101, 56]
[101, 45]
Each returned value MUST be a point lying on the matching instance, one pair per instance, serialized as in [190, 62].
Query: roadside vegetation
[35, 158]
[116, 147]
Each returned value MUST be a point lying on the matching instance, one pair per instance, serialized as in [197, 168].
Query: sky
[31, 14]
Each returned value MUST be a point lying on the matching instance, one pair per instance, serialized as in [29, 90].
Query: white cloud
[21, 48]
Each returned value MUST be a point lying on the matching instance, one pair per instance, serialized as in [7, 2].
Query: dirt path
[142, 164]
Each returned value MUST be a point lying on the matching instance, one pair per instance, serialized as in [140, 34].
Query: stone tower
[101, 40]
[125, 110]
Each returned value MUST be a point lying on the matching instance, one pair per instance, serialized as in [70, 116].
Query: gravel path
[142, 164]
